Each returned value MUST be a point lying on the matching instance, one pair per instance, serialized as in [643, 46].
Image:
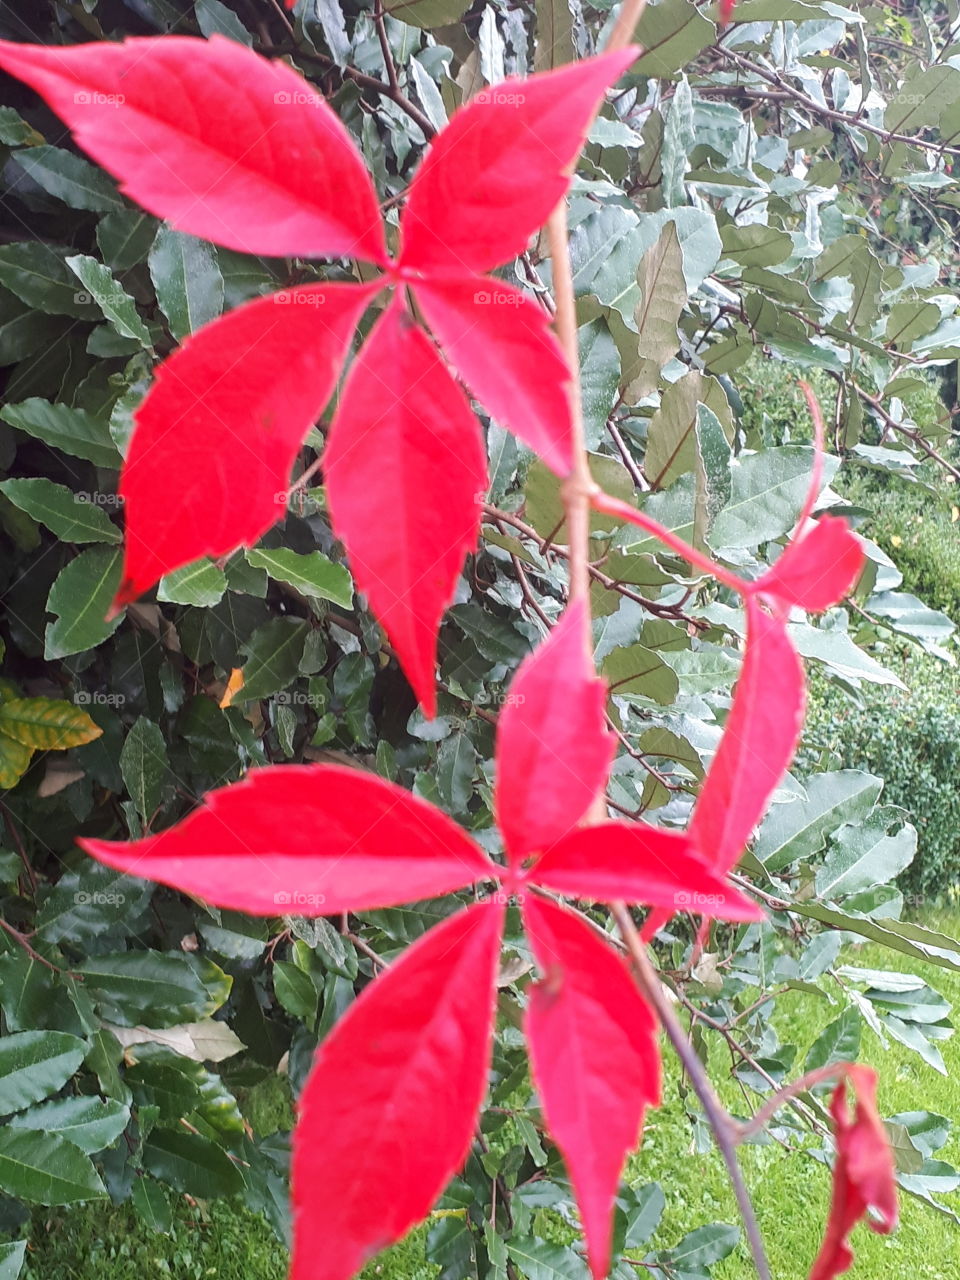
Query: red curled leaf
[817, 570]
[311, 839]
[390, 1107]
[637, 863]
[495, 173]
[760, 737]
[501, 344]
[405, 472]
[863, 1175]
[220, 142]
[553, 751]
[215, 439]
[595, 1061]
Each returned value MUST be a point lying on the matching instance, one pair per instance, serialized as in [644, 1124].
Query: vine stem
[579, 494]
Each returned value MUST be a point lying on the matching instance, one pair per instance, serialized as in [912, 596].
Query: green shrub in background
[911, 739]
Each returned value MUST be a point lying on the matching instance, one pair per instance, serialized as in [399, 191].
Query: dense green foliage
[156, 1029]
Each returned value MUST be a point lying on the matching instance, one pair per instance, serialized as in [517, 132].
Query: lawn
[790, 1191]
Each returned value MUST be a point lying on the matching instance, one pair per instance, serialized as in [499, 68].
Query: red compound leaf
[220, 142]
[553, 750]
[595, 1060]
[492, 177]
[817, 570]
[390, 1107]
[863, 1175]
[405, 472]
[637, 863]
[307, 839]
[215, 439]
[501, 344]
[760, 737]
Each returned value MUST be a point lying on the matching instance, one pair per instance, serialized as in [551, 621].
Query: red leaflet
[494, 174]
[638, 863]
[553, 750]
[210, 459]
[596, 1065]
[411, 1058]
[863, 1175]
[311, 839]
[221, 143]
[405, 472]
[726, 9]
[501, 344]
[759, 740]
[817, 570]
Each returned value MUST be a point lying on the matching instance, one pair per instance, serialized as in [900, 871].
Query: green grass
[790, 1190]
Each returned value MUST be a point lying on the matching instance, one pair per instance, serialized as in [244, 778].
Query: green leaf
[14, 761]
[186, 275]
[555, 45]
[863, 854]
[637, 671]
[15, 132]
[313, 574]
[214, 18]
[839, 1041]
[766, 494]
[70, 178]
[12, 1255]
[151, 1203]
[427, 13]
[47, 724]
[74, 431]
[125, 238]
[45, 1168]
[899, 935]
[663, 295]
[34, 1064]
[800, 828]
[191, 1164]
[295, 990]
[679, 136]
[703, 1247]
[68, 517]
[273, 656]
[457, 762]
[201, 584]
[89, 1123]
[112, 299]
[541, 1261]
[40, 276]
[80, 599]
[156, 988]
[671, 35]
[145, 766]
[756, 245]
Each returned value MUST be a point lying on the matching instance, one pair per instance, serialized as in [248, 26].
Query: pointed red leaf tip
[391, 1105]
[307, 839]
[617, 861]
[267, 170]
[726, 9]
[215, 439]
[495, 173]
[817, 570]
[405, 472]
[501, 344]
[759, 739]
[863, 1174]
[553, 751]
[595, 1061]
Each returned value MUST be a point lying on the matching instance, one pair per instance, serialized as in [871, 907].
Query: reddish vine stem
[580, 494]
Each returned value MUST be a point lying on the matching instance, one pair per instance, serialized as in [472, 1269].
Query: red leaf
[210, 459]
[405, 472]
[495, 173]
[553, 751]
[220, 142]
[595, 1060]
[390, 1107]
[817, 570]
[312, 839]
[863, 1175]
[501, 344]
[638, 863]
[760, 737]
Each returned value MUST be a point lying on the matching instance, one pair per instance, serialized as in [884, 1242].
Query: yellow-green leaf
[47, 724]
[14, 758]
